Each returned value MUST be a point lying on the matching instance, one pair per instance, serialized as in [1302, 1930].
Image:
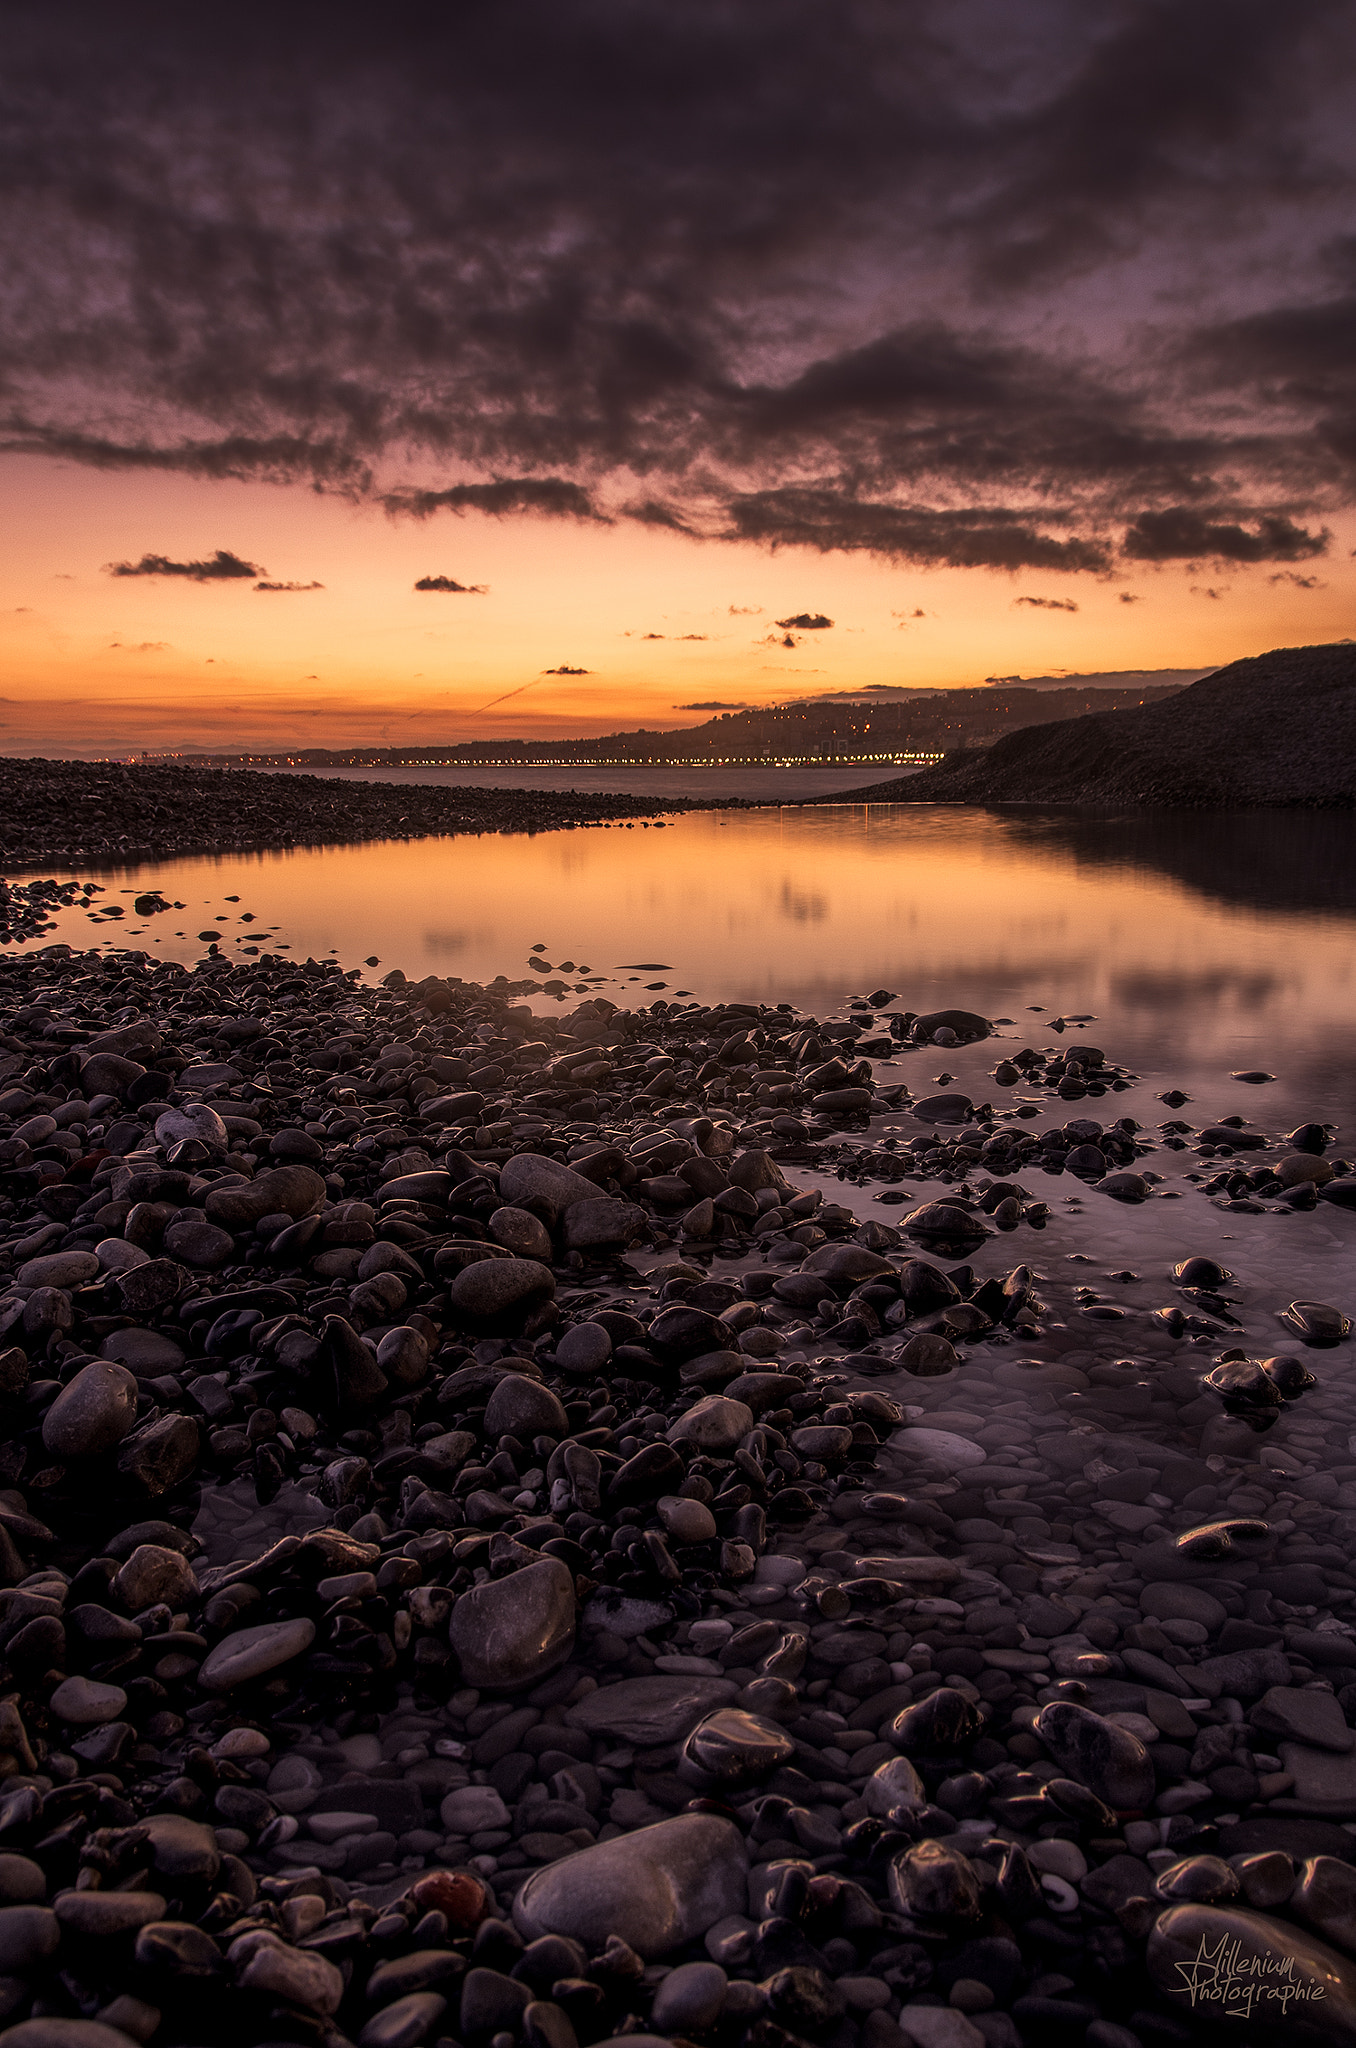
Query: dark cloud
[711, 705]
[1047, 604]
[779, 276]
[289, 586]
[553, 497]
[826, 519]
[566, 670]
[221, 567]
[450, 584]
[1181, 534]
[651, 513]
[806, 622]
[744, 611]
[1130, 597]
[1296, 581]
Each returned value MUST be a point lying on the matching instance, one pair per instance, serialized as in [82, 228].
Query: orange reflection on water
[1160, 928]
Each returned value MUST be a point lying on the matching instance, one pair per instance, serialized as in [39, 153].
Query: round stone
[203, 1246]
[511, 1632]
[252, 1652]
[713, 1424]
[941, 1447]
[501, 1292]
[115, 1255]
[690, 1998]
[584, 1350]
[1108, 1759]
[147, 1353]
[731, 1749]
[84, 1703]
[524, 1408]
[655, 1889]
[194, 1120]
[687, 1521]
[521, 1233]
[93, 1413]
[59, 1269]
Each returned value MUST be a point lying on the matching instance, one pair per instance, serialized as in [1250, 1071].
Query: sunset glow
[625, 357]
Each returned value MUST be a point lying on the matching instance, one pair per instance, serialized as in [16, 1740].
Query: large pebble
[714, 1424]
[501, 1292]
[650, 1711]
[524, 1408]
[1225, 1963]
[252, 1652]
[59, 1269]
[544, 1186]
[85, 1703]
[656, 1889]
[93, 1413]
[731, 1749]
[513, 1631]
[1106, 1758]
[602, 1222]
[294, 1191]
[941, 1447]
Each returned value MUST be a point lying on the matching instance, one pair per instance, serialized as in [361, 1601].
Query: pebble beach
[523, 1529]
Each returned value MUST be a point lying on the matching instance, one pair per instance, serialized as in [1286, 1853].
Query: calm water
[1200, 944]
[1186, 947]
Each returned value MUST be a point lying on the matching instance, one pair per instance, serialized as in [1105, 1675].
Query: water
[1201, 945]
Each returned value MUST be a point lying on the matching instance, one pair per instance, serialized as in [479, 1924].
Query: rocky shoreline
[90, 813]
[488, 1557]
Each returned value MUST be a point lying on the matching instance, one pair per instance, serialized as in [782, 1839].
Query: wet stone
[251, 1653]
[656, 1889]
[1276, 1972]
[731, 1749]
[512, 1632]
[651, 1711]
[1107, 1759]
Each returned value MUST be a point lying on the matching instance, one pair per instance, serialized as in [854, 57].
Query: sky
[382, 376]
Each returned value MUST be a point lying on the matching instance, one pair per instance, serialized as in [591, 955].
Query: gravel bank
[79, 812]
[487, 1559]
[1276, 731]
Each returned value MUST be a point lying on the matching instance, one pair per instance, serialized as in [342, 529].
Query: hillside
[1277, 730]
[923, 722]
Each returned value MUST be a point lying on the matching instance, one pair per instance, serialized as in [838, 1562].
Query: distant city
[912, 733]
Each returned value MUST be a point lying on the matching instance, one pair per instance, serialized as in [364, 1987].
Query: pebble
[93, 1413]
[250, 1653]
[564, 1522]
[655, 1890]
[1276, 1973]
[510, 1633]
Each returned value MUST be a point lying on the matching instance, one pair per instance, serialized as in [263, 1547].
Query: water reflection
[1259, 860]
[1202, 944]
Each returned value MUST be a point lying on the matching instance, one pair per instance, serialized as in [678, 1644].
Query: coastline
[62, 812]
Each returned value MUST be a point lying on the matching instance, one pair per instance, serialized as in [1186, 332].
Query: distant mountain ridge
[1277, 730]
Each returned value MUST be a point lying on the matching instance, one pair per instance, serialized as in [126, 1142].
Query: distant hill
[1278, 730]
[921, 723]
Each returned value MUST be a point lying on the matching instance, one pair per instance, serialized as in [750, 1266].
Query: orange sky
[95, 664]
